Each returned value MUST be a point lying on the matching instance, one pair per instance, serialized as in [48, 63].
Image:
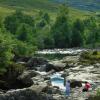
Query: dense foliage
[40, 31]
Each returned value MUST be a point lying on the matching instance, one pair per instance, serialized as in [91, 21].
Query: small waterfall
[57, 80]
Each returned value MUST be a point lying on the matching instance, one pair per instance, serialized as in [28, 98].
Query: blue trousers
[67, 92]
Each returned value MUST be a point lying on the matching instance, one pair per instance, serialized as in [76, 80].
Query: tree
[11, 24]
[22, 32]
[46, 17]
[41, 24]
[6, 47]
[61, 29]
[77, 34]
[92, 33]
[23, 49]
[93, 37]
[43, 20]
[13, 21]
[48, 41]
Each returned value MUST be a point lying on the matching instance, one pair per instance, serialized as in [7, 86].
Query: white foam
[60, 85]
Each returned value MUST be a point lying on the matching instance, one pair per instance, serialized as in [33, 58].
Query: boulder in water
[36, 61]
[55, 65]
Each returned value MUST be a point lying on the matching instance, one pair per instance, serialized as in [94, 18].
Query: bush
[95, 52]
[90, 57]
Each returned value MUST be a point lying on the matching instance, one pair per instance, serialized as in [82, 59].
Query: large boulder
[55, 65]
[71, 59]
[9, 79]
[21, 58]
[75, 83]
[36, 61]
[25, 78]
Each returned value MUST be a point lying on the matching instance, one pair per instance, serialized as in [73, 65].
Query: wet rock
[70, 59]
[25, 78]
[97, 65]
[38, 88]
[65, 73]
[46, 78]
[21, 58]
[36, 61]
[12, 98]
[32, 93]
[51, 72]
[55, 65]
[59, 97]
[22, 98]
[75, 83]
[3, 85]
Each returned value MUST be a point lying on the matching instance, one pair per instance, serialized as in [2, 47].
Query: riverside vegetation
[22, 33]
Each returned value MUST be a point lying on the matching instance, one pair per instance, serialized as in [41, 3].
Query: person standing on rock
[68, 88]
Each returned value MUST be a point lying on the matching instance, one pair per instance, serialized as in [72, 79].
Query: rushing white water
[57, 80]
[61, 51]
[41, 73]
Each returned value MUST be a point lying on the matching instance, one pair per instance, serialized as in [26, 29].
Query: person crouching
[86, 87]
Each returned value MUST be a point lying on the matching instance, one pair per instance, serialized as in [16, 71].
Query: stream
[46, 73]
[90, 73]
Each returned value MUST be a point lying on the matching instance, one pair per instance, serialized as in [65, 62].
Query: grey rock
[25, 77]
[55, 65]
[36, 61]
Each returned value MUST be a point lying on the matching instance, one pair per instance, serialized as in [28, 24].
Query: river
[90, 73]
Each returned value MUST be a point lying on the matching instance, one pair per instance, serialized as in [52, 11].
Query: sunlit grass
[32, 7]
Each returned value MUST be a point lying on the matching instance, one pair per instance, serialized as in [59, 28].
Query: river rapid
[79, 72]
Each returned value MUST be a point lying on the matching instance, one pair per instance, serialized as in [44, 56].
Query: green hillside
[31, 7]
[90, 5]
[29, 4]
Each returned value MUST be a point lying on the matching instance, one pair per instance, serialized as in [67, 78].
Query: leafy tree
[41, 24]
[13, 21]
[23, 49]
[6, 54]
[48, 41]
[77, 34]
[11, 24]
[92, 35]
[46, 17]
[61, 29]
[43, 20]
[23, 32]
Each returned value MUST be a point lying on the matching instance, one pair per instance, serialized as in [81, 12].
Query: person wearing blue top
[68, 88]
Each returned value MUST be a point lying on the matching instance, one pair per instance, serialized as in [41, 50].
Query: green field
[29, 4]
[32, 7]
[91, 5]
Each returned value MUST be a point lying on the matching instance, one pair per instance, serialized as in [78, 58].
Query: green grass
[32, 7]
[51, 4]
[29, 4]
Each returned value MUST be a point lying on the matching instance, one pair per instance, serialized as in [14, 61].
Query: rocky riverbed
[36, 79]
